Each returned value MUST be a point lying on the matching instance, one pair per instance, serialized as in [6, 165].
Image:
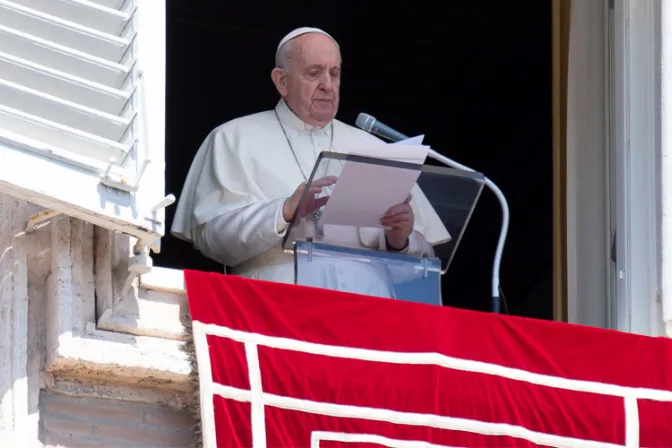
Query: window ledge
[122, 357]
[157, 308]
[156, 305]
[165, 280]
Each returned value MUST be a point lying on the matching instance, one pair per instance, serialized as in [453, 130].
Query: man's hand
[312, 203]
[400, 220]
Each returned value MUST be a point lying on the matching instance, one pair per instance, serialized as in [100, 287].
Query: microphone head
[365, 122]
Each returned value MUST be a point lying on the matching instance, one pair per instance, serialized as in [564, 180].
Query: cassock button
[344, 285]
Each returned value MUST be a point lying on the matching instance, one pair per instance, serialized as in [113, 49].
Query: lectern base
[368, 272]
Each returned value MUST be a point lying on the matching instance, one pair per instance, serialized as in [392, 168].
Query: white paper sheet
[364, 192]
[411, 141]
[409, 151]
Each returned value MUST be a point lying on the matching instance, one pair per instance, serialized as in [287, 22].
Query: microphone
[369, 124]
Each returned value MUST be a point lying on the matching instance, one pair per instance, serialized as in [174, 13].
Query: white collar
[290, 120]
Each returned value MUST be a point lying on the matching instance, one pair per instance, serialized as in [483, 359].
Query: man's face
[310, 84]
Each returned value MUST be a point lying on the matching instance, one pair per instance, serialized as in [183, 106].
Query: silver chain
[316, 213]
[291, 148]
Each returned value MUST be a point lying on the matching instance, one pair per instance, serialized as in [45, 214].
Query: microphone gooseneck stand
[369, 126]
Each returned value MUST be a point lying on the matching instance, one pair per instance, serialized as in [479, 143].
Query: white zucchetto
[299, 32]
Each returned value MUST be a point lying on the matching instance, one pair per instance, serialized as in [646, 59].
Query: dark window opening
[473, 75]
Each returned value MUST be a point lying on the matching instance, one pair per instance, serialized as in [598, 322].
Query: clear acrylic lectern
[337, 243]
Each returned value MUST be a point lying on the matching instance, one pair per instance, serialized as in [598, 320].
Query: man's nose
[326, 82]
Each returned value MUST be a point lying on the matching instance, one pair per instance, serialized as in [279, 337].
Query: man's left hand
[400, 220]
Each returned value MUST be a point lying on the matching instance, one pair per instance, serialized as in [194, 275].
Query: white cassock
[231, 204]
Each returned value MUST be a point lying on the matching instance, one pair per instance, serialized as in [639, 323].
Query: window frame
[635, 301]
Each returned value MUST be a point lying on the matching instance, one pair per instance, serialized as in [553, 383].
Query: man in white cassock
[248, 176]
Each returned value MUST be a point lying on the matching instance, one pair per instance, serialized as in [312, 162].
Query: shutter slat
[78, 90]
[114, 4]
[63, 112]
[88, 14]
[76, 141]
[62, 32]
[53, 152]
[63, 59]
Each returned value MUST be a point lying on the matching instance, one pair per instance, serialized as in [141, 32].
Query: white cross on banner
[290, 366]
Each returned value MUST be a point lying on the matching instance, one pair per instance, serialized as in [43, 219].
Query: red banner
[289, 366]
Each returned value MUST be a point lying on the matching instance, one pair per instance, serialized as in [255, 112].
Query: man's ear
[280, 81]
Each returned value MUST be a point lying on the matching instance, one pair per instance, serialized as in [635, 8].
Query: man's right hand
[312, 203]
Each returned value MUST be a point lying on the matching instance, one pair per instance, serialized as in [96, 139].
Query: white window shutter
[82, 110]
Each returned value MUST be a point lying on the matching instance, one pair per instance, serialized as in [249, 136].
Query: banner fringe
[193, 405]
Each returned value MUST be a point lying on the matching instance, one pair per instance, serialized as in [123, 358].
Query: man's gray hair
[283, 56]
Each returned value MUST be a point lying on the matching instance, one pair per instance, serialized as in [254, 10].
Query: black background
[473, 75]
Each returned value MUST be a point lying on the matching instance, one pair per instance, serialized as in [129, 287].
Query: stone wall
[64, 380]
[25, 263]
[78, 422]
